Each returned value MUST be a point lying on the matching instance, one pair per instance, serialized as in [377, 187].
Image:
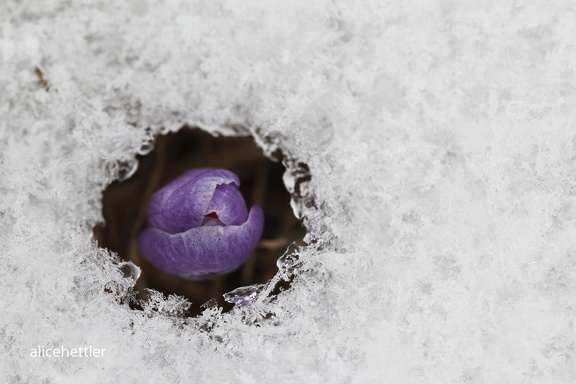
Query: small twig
[261, 183]
[273, 244]
[151, 187]
[41, 79]
[257, 198]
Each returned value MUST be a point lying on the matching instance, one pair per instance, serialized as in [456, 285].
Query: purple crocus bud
[199, 226]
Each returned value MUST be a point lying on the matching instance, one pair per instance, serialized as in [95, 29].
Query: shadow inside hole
[125, 203]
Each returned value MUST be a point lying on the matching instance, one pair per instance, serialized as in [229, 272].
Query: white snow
[440, 138]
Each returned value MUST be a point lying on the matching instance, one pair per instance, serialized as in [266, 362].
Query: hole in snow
[261, 182]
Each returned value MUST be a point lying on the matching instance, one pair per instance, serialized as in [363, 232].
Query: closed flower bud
[199, 226]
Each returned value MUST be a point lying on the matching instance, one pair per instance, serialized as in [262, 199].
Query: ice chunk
[244, 295]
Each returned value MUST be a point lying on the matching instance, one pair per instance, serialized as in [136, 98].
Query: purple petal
[203, 252]
[228, 204]
[182, 204]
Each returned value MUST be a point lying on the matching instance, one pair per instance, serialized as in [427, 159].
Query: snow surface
[440, 138]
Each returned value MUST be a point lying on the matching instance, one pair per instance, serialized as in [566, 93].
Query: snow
[441, 143]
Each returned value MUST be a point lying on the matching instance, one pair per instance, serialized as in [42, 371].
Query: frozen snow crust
[441, 143]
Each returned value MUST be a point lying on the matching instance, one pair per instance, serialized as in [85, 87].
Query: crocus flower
[199, 226]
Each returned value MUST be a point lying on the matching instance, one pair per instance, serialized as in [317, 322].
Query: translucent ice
[243, 295]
